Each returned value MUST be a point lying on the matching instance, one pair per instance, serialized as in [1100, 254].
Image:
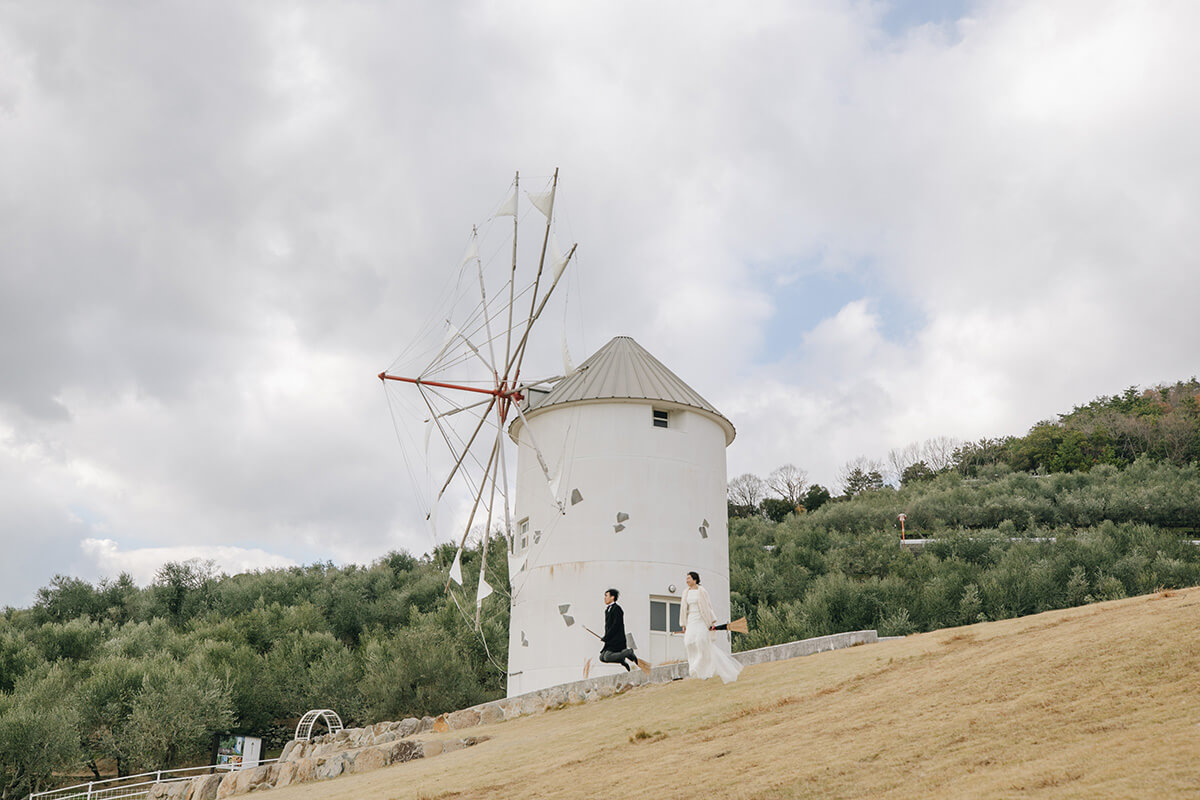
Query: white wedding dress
[705, 659]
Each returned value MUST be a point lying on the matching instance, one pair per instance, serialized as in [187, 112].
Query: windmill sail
[460, 383]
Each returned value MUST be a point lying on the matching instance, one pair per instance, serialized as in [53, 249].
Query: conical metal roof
[623, 370]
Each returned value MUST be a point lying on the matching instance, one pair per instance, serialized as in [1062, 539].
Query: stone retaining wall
[608, 685]
[806, 647]
[346, 752]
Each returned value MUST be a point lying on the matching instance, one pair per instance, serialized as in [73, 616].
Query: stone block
[405, 750]
[491, 714]
[306, 770]
[458, 744]
[227, 785]
[556, 697]
[440, 725]
[406, 727]
[287, 773]
[432, 749]
[424, 724]
[332, 766]
[205, 787]
[176, 790]
[532, 704]
[261, 775]
[247, 780]
[467, 718]
[369, 759]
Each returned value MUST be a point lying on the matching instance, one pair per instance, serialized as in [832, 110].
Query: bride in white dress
[704, 658]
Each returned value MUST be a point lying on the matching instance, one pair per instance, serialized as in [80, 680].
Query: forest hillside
[100, 678]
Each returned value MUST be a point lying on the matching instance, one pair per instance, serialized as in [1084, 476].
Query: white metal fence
[132, 787]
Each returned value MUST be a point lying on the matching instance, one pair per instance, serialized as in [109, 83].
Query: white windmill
[637, 499]
[620, 468]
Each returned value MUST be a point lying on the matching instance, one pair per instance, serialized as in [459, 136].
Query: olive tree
[788, 482]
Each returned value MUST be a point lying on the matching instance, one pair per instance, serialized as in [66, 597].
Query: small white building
[634, 500]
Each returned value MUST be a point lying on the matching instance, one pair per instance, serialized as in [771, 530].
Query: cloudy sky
[850, 226]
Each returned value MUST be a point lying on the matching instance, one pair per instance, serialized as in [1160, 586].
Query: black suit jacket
[614, 629]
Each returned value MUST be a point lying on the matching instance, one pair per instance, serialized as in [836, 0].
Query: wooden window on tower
[662, 418]
[523, 534]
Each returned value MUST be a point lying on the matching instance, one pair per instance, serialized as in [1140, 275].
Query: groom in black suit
[615, 649]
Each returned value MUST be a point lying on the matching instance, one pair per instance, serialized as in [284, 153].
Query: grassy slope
[1101, 701]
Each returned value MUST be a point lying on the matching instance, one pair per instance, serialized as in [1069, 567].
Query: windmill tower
[636, 498]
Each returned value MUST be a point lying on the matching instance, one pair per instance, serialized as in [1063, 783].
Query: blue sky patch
[803, 302]
[900, 16]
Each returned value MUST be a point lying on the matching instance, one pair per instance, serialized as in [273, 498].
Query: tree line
[1161, 423]
[1000, 544]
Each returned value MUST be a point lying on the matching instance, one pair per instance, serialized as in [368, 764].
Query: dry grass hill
[1101, 701]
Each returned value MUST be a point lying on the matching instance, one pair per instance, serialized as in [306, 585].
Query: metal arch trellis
[305, 726]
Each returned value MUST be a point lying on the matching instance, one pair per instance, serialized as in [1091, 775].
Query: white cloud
[221, 221]
[143, 563]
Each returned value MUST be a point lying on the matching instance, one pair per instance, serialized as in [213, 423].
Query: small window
[661, 418]
[658, 615]
[660, 612]
[523, 534]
